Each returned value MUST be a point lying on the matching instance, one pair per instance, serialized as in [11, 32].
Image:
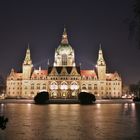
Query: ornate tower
[27, 65]
[101, 65]
[64, 54]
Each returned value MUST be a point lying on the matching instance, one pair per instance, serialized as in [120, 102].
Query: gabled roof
[113, 76]
[88, 73]
[39, 73]
[15, 75]
[59, 69]
[18, 76]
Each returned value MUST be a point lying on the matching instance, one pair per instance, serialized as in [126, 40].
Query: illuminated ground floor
[64, 94]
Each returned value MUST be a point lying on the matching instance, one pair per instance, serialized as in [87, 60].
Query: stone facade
[64, 79]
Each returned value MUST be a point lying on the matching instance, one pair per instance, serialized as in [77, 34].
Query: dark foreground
[118, 121]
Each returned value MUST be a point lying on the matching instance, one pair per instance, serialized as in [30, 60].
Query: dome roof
[64, 47]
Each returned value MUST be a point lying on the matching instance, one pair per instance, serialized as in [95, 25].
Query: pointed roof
[27, 59]
[100, 49]
[64, 40]
[100, 56]
[59, 69]
[100, 46]
[64, 47]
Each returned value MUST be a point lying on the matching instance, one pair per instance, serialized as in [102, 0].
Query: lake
[71, 122]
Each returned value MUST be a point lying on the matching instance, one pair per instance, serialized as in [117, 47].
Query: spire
[27, 59]
[101, 60]
[100, 45]
[28, 46]
[64, 40]
[48, 62]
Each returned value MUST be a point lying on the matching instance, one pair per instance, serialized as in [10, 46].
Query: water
[71, 122]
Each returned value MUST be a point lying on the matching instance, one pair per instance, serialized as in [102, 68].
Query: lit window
[53, 86]
[64, 59]
[64, 86]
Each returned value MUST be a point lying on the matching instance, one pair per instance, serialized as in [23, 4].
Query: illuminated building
[63, 79]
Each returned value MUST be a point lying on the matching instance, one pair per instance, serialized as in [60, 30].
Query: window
[95, 86]
[32, 86]
[95, 93]
[38, 86]
[74, 86]
[83, 86]
[64, 59]
[44, 86]
[53, 86]
[32, 93]
[90, 87]
[64, 86]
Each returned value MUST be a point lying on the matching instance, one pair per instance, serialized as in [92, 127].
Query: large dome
[64, 47]
[64, 54]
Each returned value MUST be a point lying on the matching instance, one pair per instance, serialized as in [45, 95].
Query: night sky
[88, 22]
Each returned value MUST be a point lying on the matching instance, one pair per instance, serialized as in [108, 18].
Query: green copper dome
[64, 47]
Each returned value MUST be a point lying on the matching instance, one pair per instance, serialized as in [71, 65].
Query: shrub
[86, 98]
[41, 98]
[136, 99]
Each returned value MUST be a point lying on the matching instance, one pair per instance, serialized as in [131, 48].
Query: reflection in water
[98, 105]
[71, 122]
[1, 109]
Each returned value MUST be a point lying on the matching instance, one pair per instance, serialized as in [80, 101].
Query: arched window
[53, 86]
[83, 86]
[44, 86]
[64, 59]
[64, 86]
[74, 86]
[89, 86]
[32, 86]
[38, 86]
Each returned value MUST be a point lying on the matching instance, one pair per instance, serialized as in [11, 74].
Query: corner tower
[27, 65]
[64, 54]
[101, 65]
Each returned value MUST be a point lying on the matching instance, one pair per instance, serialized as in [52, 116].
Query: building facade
[63, 79]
